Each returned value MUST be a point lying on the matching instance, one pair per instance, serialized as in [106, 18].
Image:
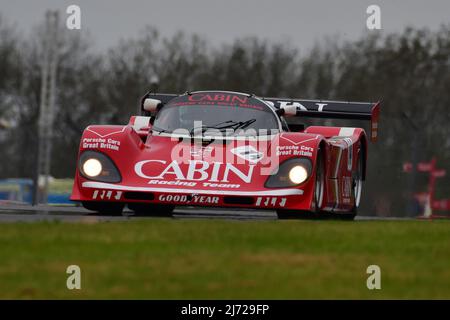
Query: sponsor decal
[294, 150]
[190, 199]
[101, 143]
[106, 195]
[238, 151]
[248, 153]
[320, 106]
[193, 184]
[218, 97]
[200, 152]
[289, 105]
[270, 202]
[197, 170]
[297, 105]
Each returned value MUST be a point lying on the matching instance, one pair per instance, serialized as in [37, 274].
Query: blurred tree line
[409, 72]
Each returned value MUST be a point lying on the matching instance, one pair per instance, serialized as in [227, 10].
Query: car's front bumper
[286, 198]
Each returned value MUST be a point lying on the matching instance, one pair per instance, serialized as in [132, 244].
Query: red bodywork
[150, 174]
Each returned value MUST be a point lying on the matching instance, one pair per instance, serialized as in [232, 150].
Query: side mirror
[139, 123]
[289, 111]
[151, 105]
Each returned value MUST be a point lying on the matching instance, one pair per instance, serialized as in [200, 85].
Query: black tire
[319, 188]
[105, 208]
[357, 184]
[151, 210]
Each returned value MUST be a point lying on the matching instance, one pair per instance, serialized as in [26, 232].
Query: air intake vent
[239, 200]
[132, 195]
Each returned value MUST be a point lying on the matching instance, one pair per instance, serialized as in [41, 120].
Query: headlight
[298, 174]
[291, 173]
[92, 167]
[97, 166]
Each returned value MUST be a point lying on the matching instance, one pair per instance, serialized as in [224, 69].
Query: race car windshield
[198, 119]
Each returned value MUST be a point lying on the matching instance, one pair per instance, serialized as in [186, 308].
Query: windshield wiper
[230, 124]
[205, 128]
[244, 124]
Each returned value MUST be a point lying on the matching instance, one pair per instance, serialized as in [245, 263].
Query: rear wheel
[319, 188]
[104, 208]
[151, 210]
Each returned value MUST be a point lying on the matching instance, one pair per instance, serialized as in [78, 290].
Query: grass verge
[220, 259]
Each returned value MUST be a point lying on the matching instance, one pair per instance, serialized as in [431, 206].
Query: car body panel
[163, 168]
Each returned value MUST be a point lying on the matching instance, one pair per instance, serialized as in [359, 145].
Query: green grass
[220, 259]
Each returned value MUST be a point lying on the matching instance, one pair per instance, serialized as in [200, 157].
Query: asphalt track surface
[27, 213]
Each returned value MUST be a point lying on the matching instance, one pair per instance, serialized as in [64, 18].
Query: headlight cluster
[97, 166]
[92, 167]
[298, 174]
[290, 173]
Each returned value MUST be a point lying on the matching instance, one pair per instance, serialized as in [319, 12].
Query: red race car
[226, 149]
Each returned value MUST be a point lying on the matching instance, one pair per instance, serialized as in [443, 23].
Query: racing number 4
[104, 194]
[270, 202]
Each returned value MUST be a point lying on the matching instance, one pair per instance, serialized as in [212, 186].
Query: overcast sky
[300, 21]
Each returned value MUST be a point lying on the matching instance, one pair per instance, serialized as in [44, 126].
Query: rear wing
[330, 109]
[298, 107]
